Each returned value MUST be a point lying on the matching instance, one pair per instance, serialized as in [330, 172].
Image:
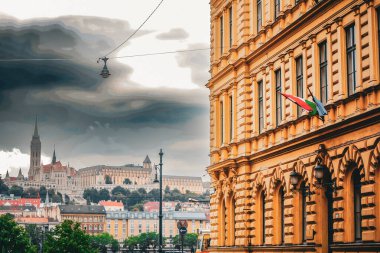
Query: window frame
[278, 83]
[230, 25]
[221, 34]
[323, 68]
[277, 8]
[357, 205]
[350, 51]
[221, 123]
[263, 225]
[259, 7]
[260, 92]
[231, 118]
[299, 81]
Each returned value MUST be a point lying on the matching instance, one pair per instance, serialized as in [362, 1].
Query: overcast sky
[147, 103]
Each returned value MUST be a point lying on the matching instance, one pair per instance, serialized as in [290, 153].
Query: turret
[147, 164]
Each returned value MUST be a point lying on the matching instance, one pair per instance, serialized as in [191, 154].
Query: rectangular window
[261, 105]
[221, 34]
[221, 123]
[277, 8]
[351, 61]
[230, 23]
[299, 80]
[278, 97]
[323, 71]
[259, 15]
[231, 119]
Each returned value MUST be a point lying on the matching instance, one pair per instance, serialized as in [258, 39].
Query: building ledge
[355, 246]
[347, 247]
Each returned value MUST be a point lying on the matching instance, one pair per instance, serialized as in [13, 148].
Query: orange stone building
[285, 181]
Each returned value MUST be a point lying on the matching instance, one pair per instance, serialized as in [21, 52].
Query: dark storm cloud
[198, 62]
[173, 34]
[91, 119]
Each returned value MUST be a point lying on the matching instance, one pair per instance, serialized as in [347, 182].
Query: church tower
[147, 164]
[35, 153]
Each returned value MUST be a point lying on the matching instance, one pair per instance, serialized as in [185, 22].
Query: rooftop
[111, 203]
[82, 209]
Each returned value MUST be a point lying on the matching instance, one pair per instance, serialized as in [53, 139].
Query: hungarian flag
[303, 103]
[320, 108]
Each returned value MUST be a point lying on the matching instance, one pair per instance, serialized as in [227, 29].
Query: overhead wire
[116, 57]
[142, 24]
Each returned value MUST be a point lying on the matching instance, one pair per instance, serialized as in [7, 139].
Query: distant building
[125, 224]
[21, 202]
[91, 218]
[112, 205]
[43, 222]
[67, 180]
[19, 211]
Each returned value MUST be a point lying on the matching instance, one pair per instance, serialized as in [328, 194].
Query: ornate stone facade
[258, 139]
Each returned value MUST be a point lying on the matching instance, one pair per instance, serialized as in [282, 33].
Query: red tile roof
[110, 203]
[21, 202]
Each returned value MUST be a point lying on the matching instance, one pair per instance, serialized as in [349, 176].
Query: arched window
[263, 216]
[282, 202]
[260, 217]
[303, 212]
[279, 215]
[231, 221]
[357, 204]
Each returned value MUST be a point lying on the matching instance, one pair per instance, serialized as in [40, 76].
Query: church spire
[20, 176]
[7, 175]
[35, 129]
[54, 157]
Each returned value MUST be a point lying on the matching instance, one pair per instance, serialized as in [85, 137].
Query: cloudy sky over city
[147, 103]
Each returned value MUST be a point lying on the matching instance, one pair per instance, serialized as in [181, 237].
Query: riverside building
[258, 139]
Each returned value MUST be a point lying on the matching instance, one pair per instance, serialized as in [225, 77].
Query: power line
[116, 57]
[136, 29]
[161, 53]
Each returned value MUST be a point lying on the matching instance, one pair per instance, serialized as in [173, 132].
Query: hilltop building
[72, 182]
[286, 181]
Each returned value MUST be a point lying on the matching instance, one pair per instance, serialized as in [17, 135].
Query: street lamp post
[160, 209]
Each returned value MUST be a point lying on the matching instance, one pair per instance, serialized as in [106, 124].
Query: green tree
[3, 187]
[108, 179]
[142, 191]
[103, 240]
[43, 192]
[134, 198]
[167, 189]
[190, 240]
[68, 237]
[14, 238]
[127, 181]
[137, 207]
[35, 233]
[30, 193]
[104, 195]
[16, 190]
[131, 242]
[119, 190]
